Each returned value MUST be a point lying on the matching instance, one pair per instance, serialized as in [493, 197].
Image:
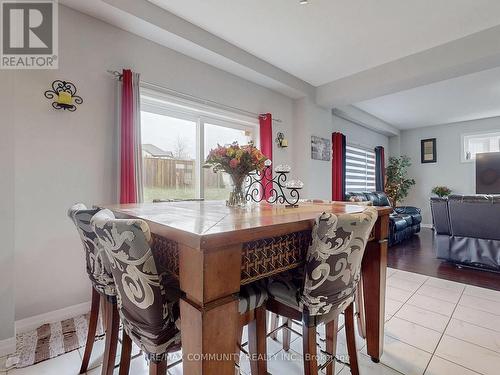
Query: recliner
[404, 222]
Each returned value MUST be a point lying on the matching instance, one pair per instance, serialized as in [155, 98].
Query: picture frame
[321, 148]
[428, 152]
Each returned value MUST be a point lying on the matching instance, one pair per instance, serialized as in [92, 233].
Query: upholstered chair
[103, 288]
[326, 286]
[148, 301]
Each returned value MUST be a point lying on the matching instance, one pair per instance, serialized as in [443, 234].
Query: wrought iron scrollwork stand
[59, 86]
[259, 182]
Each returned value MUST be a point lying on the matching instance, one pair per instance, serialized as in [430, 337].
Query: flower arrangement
[441, 191]
[237, 161]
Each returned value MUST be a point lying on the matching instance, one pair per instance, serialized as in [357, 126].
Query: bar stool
[326, 286]
[148, 302]
[103, 289]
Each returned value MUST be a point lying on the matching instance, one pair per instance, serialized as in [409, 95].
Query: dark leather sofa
[404, 222]
[467, 229]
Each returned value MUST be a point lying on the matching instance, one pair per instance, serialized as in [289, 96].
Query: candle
[284, 143]
[65, 98]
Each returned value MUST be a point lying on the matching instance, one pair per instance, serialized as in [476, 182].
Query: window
[360, 169]
[176, 137]
[473, 144]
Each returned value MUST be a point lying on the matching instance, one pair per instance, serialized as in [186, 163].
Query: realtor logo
[29, 34]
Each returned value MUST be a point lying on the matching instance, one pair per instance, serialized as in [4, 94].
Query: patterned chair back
[333, 265]
[97, 263]
[147, 308]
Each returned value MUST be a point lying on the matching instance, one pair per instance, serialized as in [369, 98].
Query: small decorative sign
[320, 148]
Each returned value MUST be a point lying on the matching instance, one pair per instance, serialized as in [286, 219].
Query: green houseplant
[398, 184]
[441, 191]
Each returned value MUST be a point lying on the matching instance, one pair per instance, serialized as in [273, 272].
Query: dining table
[214, 249]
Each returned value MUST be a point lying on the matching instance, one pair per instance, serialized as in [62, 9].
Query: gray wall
[449, 170]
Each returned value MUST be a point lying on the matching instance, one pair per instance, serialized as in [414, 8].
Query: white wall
[449, 170]
[309, 120]
[62, 157]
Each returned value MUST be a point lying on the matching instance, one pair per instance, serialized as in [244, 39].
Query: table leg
[374, 278]
[210, 278]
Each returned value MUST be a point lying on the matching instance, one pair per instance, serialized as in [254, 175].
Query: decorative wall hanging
[64, 93]
[281, 141]
[258, 181]
[320, 148]
[428, 151]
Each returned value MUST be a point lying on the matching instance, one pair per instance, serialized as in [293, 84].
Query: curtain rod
[118, 75]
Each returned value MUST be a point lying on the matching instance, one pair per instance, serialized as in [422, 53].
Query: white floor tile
[439, 293]
[410, 276]
[404, 358]
[289, 363]
[392, 306]
[480, 318]
[397, 294]
[480, 304]
[445, 284]
[468, 355]
[368, 367]
[67, 364]
[390, 272]
[476, 335]
[439, 366]
[413, 334]
[423, 317]
[404, 284]
[432, 304]
[476, 291]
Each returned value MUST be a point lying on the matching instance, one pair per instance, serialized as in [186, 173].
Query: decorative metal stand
[259, 182]
[64, 93]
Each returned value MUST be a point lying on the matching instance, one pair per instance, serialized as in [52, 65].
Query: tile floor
[434, 327]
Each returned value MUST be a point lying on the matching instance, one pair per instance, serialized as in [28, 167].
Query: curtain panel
[130, 150]
[379, 168]
[266, 143]
[338, 166]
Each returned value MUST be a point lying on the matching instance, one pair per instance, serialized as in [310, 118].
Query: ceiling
[330, 39]
[470, 97]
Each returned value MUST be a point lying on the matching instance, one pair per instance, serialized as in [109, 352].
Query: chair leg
[113, 325]
[287, 334]
[93, 319]
[274, 325]
[126, 354]
[257, 347]
[158, 368]
[351, 339]
[360, 310]
[310, 351]
[331, 343]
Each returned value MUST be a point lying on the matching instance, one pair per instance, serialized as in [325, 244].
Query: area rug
[51, 340]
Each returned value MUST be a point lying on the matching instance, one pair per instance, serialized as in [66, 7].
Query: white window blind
[360, 169]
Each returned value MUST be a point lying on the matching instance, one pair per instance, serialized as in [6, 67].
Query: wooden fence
[175, 174]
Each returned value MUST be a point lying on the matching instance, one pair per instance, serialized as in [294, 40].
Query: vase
[237, 195]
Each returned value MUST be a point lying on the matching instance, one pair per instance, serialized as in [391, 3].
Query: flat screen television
[488, 173]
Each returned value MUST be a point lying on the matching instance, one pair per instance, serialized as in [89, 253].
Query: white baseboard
[7, 346]
[430, 226]
[33, 322]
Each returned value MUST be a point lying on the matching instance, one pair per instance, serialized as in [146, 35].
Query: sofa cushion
[398, 222]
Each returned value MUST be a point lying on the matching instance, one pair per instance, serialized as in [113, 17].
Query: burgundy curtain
[338, 166]
[379, 168]
[130, 138]
[266, 143]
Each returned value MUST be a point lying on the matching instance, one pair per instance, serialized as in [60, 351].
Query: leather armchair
[404, 222]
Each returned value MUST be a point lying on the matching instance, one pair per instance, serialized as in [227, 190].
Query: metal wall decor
[64, 93]
[281, 141]
[278, 185]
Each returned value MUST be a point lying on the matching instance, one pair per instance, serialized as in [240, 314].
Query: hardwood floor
[418, 255]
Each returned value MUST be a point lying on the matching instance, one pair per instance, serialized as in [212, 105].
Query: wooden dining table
[214, 249]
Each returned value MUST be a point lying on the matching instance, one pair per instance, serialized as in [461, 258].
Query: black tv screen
[488, 173]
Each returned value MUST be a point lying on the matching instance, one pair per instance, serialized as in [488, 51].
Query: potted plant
[238, 162]
[398, 184]
[441, 191]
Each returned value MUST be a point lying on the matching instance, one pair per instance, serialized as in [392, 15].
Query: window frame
[164, 104]
[465, 136]
[368, 152]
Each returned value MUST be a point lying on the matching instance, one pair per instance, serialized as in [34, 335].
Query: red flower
[234, 163]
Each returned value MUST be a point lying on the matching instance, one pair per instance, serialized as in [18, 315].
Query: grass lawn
[159, 193]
